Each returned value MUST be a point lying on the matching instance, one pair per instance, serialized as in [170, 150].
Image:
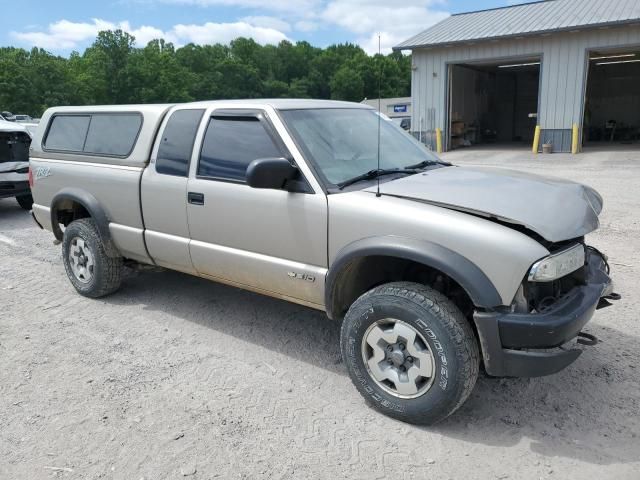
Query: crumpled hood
[555, 209]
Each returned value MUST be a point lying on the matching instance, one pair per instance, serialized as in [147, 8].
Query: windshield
[343, 143]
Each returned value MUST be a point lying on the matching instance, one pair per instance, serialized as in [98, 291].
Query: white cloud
[306, 26]
[394, 22]
[144, 34]
[223, 33]
[284, 6]
[62, 34]
[66, 35]
[362, 19]
[267, 22]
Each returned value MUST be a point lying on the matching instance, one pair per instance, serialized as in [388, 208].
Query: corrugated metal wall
[563, 75]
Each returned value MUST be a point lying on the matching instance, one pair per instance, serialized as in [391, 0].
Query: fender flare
[91, 205]
[471, 278]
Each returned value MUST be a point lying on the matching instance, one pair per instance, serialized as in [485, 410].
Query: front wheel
[410, 352]
[91, 271]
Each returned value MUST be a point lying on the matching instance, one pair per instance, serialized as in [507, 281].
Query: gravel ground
[178, 377]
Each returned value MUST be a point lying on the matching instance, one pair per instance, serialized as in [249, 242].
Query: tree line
[113, 71]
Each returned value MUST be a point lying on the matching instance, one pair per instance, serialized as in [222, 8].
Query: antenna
[379, 107]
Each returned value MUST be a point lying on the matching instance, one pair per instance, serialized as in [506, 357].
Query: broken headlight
[558, 265]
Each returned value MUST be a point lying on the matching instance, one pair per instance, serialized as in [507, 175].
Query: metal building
[392, 107]
[571, 67]
[398, 109]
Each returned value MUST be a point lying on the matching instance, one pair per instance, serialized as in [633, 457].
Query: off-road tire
[25, 201]
[107, 271]
[448, 334]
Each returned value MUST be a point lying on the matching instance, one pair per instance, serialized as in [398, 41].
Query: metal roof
[526, 19]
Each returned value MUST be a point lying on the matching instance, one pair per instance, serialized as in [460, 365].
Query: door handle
[195, 198]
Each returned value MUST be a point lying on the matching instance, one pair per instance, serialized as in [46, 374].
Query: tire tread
[458, 328]
[111, 269]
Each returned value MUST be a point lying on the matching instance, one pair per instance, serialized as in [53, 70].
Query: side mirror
[273, 173]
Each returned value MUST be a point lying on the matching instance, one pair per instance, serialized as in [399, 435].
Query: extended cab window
[113, 134]
[176, 146]
[231, 144]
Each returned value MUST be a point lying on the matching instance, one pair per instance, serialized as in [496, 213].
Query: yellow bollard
[574, 139]
[438, 140]
[536, 140]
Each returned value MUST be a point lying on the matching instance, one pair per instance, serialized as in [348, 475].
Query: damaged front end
[14, 161]
[530, 339]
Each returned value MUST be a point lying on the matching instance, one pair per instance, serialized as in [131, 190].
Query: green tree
[113, 71]
[347, 84]
[275, 89]
[205, 82]
[239, 80]
[300, 88]
[15, 83]
[50, 81]
[156, 76]
[108, 67]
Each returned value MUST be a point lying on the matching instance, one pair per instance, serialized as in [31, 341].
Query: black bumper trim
[553, 328]
[508, 338]
[14, 189]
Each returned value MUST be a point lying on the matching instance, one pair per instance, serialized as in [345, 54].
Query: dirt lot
[177, 377]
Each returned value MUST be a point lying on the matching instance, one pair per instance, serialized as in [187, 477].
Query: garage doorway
[493, 104]
[612, 102]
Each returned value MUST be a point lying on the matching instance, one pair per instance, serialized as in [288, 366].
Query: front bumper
[510, 340]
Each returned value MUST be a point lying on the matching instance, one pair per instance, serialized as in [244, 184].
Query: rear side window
[68, 132]
[231, 144]
[176, 146]
[110, 134]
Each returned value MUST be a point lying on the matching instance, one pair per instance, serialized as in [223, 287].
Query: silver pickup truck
[14, 162]
[433, 270]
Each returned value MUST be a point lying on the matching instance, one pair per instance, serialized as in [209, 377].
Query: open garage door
[493, 103]
[612, 103]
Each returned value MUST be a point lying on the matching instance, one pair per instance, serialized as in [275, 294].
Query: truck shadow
[582, 413]
[10, 212]
[294, 330]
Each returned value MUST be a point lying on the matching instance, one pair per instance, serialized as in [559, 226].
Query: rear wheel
[410, 352]
[91, 271]
[25, 201]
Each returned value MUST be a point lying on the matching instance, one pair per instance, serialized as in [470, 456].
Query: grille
[14, 147]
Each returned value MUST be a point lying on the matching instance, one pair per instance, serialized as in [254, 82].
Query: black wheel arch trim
[91, 205]
[471, 278]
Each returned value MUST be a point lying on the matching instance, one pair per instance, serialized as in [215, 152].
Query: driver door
[271, 241]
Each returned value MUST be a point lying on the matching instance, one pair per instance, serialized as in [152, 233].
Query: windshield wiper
[427, 163]
[373, 174]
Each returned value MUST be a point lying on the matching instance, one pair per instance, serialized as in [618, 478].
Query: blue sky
[62, 26]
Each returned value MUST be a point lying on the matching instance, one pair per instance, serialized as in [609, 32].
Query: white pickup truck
[15, 139]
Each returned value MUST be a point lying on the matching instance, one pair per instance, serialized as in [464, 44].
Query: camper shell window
[96, 134]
